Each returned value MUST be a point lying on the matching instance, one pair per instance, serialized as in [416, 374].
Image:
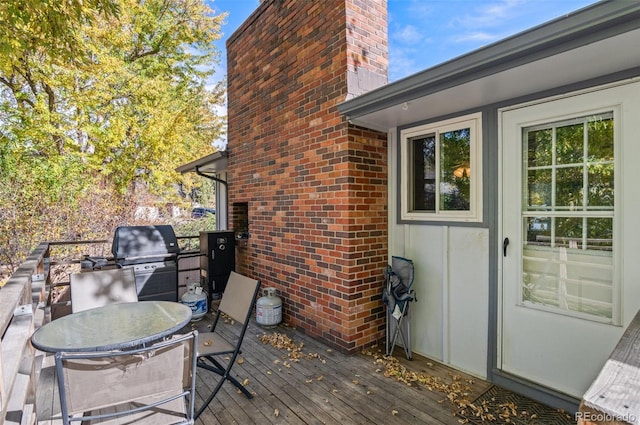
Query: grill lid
[150, 242]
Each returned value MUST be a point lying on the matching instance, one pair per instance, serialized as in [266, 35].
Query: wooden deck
[326, 387]
[331, 388]
[322, 387]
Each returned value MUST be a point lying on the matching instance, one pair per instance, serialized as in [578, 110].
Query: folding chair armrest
[408, 296]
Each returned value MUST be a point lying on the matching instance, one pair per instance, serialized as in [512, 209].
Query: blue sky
[424, 33]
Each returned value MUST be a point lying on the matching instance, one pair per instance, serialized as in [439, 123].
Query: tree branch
[27, 76]
[16, 93]
[7, 83]
[136, 55]
[51, 96]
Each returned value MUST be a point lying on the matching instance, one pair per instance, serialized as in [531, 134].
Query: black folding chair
[237, 302]
[398, 295]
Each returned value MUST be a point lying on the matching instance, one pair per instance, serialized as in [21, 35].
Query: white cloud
[474, 37]
[421, 9]
[408, 34]
[479, 25]
[402, 62]
[491, 14]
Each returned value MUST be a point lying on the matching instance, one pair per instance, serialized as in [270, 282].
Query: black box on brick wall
[217, 261]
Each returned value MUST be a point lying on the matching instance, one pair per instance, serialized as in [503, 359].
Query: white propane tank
[269, 308]
[196, 299]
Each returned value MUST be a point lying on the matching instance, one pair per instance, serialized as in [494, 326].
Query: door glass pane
[600, 186]
[538, 230]
[539, 188]
[569, 185]
[540, 147]
[600, 234]
[568, 279]
[568, 232]
[600, 130]
[569, 144]
[568, 211]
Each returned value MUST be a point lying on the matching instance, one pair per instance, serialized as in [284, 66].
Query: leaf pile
[283, 342]
[457, 392]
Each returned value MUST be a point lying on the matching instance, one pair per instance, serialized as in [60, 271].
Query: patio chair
[237, 302]
[398, 295]
[151, 385]
[101, 287]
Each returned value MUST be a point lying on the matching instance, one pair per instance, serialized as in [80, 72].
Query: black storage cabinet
[217, 260]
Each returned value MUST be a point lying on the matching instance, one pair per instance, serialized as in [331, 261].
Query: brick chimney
[309, 188]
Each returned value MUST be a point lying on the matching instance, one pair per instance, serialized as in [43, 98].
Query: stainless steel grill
[152, 252]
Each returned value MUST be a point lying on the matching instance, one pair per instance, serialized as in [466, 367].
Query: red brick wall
[315, 186]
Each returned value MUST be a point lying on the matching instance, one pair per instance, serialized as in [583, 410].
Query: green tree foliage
[136, 105]
[47, 25]
[97, 99]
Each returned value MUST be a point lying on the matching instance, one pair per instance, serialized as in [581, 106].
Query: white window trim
[474, 215]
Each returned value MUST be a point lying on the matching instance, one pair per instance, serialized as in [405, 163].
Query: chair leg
[241, 387]
[388, 333]
[396, 332]
[406, 340]
[225, 375]
[210, 398]
[402, 329]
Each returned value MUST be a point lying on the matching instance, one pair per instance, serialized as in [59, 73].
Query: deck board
[329, 389]
[47, 399]
[335, 389]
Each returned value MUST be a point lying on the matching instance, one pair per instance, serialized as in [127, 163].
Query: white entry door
[561, 309]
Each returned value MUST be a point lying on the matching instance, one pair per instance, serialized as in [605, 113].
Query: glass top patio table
[112, 327]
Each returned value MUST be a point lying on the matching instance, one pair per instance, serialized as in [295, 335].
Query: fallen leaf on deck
[294, 351]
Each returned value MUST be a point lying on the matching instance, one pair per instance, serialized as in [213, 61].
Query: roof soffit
[210, 164]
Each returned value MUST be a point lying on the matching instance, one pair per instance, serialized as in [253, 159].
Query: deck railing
[614, 396]
[29, 299]
[18, 317]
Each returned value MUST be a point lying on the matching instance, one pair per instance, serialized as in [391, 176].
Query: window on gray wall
[442, 170]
